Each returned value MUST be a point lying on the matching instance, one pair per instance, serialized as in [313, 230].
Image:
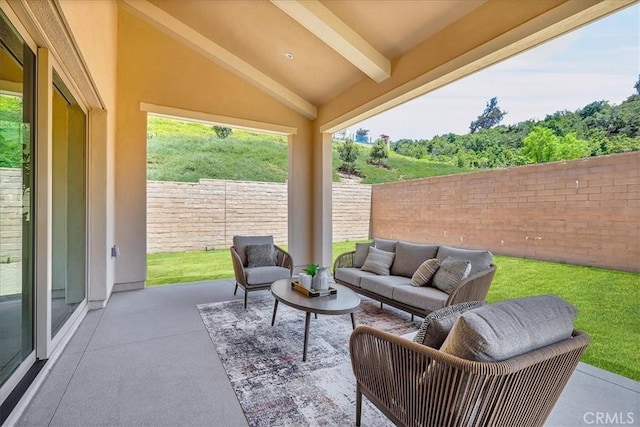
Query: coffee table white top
[344, 301]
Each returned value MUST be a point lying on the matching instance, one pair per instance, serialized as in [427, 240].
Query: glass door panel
[69, 205]
[17, 77]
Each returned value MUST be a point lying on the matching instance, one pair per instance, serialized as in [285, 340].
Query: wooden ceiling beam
[216, 53]
[320, 21]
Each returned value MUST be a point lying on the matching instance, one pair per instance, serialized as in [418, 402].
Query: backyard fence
[10, 215]
[584, 212]
[183, 216]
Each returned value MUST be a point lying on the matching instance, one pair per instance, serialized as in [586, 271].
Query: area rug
[264, 363]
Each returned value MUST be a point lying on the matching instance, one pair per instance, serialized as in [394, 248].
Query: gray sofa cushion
[260, 255]
[384, 285]
[241, 242]
[409, 256]
[264, 275]
[480, 260]
[385, 245]
[451, 272]
[378, 261]
[425, 272]
[360, 256]
[509, 328]
[424, 297]
[438, 324]
[352, 275]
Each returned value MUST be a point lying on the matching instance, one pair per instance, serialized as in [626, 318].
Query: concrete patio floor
[146, 359]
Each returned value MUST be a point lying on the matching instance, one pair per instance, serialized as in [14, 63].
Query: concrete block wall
[194, 216]
[10, 215]
[584, 212]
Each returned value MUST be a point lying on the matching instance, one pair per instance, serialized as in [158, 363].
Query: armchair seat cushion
[266, 274]
[425, 297]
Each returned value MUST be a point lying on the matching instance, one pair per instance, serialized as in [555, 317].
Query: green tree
[570, 147]
[222, 132]
[378, 153]
[491, 116]
[637, 86]
[348, 153]
[539, 145]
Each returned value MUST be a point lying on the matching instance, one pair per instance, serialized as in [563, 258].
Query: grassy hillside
[182, 151]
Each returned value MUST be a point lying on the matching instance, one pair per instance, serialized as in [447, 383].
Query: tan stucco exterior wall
[154, 68]
[94, 26]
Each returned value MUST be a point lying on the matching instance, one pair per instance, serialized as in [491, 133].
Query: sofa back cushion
[509, 328]
[385, 245]
[409, 256]
[479, 259]
[240, 243]
[360, 256]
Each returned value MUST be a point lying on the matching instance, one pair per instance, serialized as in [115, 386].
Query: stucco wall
[94, 26]
[584, 212]
[185, 216]
[155, 68]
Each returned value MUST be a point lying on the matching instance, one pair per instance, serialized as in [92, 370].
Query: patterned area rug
[264, 363]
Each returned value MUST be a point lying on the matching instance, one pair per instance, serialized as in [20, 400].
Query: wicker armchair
[416, 385]
[257, 278]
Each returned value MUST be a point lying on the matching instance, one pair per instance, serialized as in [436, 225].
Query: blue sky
[600, 61]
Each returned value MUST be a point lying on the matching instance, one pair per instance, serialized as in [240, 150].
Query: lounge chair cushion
[509, 328]
[378, 261]
[451, 272]
[385, 245]
[264, 275]
[409, 256]
[438, 324]
[260, 255]
[425, 272]
[362, 250]
[240, 243]
[479, 259]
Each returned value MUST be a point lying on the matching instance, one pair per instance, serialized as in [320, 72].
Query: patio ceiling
[306, 53]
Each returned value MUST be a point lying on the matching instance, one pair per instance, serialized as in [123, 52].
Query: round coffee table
[343, 302]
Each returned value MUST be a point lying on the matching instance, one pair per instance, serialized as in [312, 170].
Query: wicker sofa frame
[416, 385]
[473, 288]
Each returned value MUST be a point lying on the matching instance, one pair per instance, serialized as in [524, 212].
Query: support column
[323, 212]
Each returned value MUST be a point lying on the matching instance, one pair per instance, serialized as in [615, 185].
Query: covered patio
[146, 359]
[304, 69]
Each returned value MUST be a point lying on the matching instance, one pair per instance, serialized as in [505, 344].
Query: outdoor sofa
[395, 288]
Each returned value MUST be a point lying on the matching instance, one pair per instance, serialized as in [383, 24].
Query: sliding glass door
[17, 81]
[69, 201]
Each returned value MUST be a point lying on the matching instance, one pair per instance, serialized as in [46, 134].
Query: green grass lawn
[607, 300]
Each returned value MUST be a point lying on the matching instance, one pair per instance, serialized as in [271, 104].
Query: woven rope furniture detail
[415, 385]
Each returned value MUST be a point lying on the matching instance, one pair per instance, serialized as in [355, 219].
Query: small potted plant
[306, 277]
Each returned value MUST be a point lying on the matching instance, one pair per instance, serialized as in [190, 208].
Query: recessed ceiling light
[288, 55]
